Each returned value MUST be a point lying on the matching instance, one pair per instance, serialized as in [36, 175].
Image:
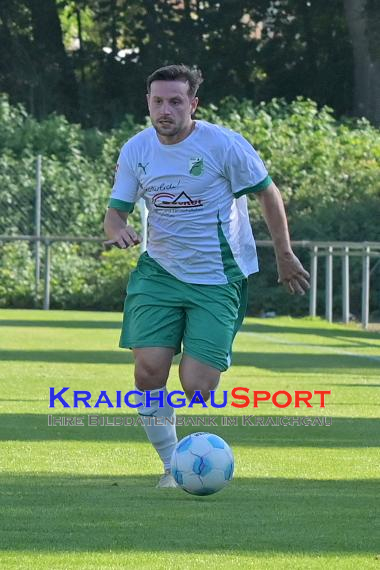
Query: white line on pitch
[276, 340]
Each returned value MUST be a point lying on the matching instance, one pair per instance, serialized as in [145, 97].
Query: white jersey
[195, 192]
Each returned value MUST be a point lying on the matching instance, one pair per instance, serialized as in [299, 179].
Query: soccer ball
[202, 463]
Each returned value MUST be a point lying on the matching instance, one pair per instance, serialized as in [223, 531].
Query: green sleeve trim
[121, 205]
[257, 188]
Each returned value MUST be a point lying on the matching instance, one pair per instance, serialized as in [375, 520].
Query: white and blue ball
[202, 463]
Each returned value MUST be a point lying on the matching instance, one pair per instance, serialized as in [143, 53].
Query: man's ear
[147, 99]
[194, 105]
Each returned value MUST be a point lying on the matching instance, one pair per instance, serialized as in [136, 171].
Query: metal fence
[345, 250]
[22, 210]
[39, 220]
[325, 251]
[42, 196]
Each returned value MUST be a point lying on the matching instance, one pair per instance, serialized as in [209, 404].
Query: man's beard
[169, 130]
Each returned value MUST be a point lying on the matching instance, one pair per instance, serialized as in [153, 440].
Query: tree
[35, 67]
[89, 60]
[363, 20]
[57, 79]
[305, 50]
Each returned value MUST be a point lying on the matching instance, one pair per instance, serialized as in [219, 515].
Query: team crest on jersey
[196, 166]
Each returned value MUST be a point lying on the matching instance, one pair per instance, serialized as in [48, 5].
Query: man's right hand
[124, 238]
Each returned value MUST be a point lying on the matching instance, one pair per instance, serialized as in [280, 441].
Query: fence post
[365, 287]
[313, 281]
[37, 224]
[329, 283]
[346, 285]
[47, 276]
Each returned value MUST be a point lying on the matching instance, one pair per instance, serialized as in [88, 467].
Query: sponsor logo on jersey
[161, 187]
[182, 200]
[143, 166]
[196, 166]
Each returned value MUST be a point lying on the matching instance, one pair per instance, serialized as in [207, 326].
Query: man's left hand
[292, 274]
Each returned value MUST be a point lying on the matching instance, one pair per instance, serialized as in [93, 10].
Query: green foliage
[115, 140]
[71, 276]
[75, 185]
[327, 170]
[84, 278]
[323, 167]
[112, 277]
[21, 134]
[16, 275]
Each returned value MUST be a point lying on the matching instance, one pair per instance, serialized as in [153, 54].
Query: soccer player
[190, 287]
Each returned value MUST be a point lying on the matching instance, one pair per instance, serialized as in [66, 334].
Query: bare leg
[152, 366]
[195, 375]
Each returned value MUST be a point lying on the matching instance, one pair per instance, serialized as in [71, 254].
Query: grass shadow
[116, 356]
[64, 324]
[343, 433]
[273, 361]
[92, 513]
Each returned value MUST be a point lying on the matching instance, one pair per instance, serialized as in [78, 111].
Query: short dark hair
[177, 73]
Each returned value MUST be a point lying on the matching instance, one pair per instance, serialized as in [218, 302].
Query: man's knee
[147, 377]
[204, 393]
[195, 375]
[152, 367]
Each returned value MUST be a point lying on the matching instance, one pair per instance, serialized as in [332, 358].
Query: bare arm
[290, 270]
[118, 233]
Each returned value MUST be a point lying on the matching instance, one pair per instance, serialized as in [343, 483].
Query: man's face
[170, 107]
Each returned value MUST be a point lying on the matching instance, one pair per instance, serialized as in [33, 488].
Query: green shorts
[161, 311]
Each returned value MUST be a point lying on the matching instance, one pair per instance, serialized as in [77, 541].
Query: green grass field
[85, 497]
